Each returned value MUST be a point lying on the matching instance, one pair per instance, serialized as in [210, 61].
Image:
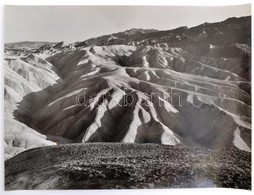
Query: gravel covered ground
[117, 166]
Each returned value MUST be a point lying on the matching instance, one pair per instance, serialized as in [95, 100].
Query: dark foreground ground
[116, 166]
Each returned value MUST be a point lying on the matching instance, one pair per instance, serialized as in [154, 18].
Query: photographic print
[127, 97]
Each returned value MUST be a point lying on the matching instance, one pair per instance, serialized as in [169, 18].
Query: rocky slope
[131, 166]
[185, 87]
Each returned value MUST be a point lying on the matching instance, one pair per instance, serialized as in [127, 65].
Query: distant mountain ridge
[229, 38]
[27, 44]
[232, 30]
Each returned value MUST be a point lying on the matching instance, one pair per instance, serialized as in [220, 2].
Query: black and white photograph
[127, 97]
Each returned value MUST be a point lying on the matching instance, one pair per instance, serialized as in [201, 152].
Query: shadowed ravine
[128, 107]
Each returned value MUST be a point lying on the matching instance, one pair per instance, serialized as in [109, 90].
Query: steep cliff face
[187, 87]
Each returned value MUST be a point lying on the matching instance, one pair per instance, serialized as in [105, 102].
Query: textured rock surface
[117, 166]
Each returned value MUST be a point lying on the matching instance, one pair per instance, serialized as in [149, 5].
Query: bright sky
[76, 23]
